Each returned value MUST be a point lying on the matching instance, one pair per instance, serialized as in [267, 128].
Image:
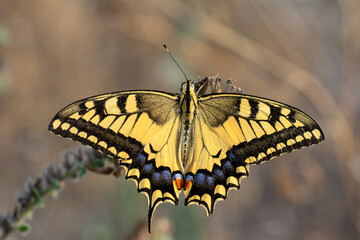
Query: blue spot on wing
[189, 178]
[156, 176]
[226, 165]
[178, 175]
[142, 158]
[218, 172]
[231, 157]
[148, 167]
[166, 175]
[209, 180]
[199, 178]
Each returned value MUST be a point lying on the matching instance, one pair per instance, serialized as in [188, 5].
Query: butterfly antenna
[175, 62]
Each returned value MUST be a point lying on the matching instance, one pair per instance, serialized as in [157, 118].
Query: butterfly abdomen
[185, 142]
[188, 106]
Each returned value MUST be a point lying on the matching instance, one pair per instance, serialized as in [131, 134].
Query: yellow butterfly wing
[233, 131]
[139, 128]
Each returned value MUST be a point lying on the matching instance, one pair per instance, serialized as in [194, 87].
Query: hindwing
[233, 131]
[139, 128]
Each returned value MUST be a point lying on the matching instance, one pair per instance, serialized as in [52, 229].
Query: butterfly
[202, 144]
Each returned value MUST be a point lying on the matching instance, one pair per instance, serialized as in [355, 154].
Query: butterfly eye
[183, 87]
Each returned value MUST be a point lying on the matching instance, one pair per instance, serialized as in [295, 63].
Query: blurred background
[304, 53]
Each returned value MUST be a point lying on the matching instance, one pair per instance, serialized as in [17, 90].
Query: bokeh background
[301, 52]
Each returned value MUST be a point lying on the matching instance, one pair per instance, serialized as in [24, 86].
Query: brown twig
[72, 165]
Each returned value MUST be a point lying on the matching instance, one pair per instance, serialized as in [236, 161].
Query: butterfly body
[188, 104]
[200, 144]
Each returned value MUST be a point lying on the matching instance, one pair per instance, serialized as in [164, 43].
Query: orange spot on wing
[179, 183]
[188, 184]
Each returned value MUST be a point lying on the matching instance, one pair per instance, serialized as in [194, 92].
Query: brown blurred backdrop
[301, 52]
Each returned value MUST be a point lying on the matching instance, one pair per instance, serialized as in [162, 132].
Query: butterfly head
[187, 87]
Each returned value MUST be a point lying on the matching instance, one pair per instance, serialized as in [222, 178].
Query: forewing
[139, 128]
[239, 130]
